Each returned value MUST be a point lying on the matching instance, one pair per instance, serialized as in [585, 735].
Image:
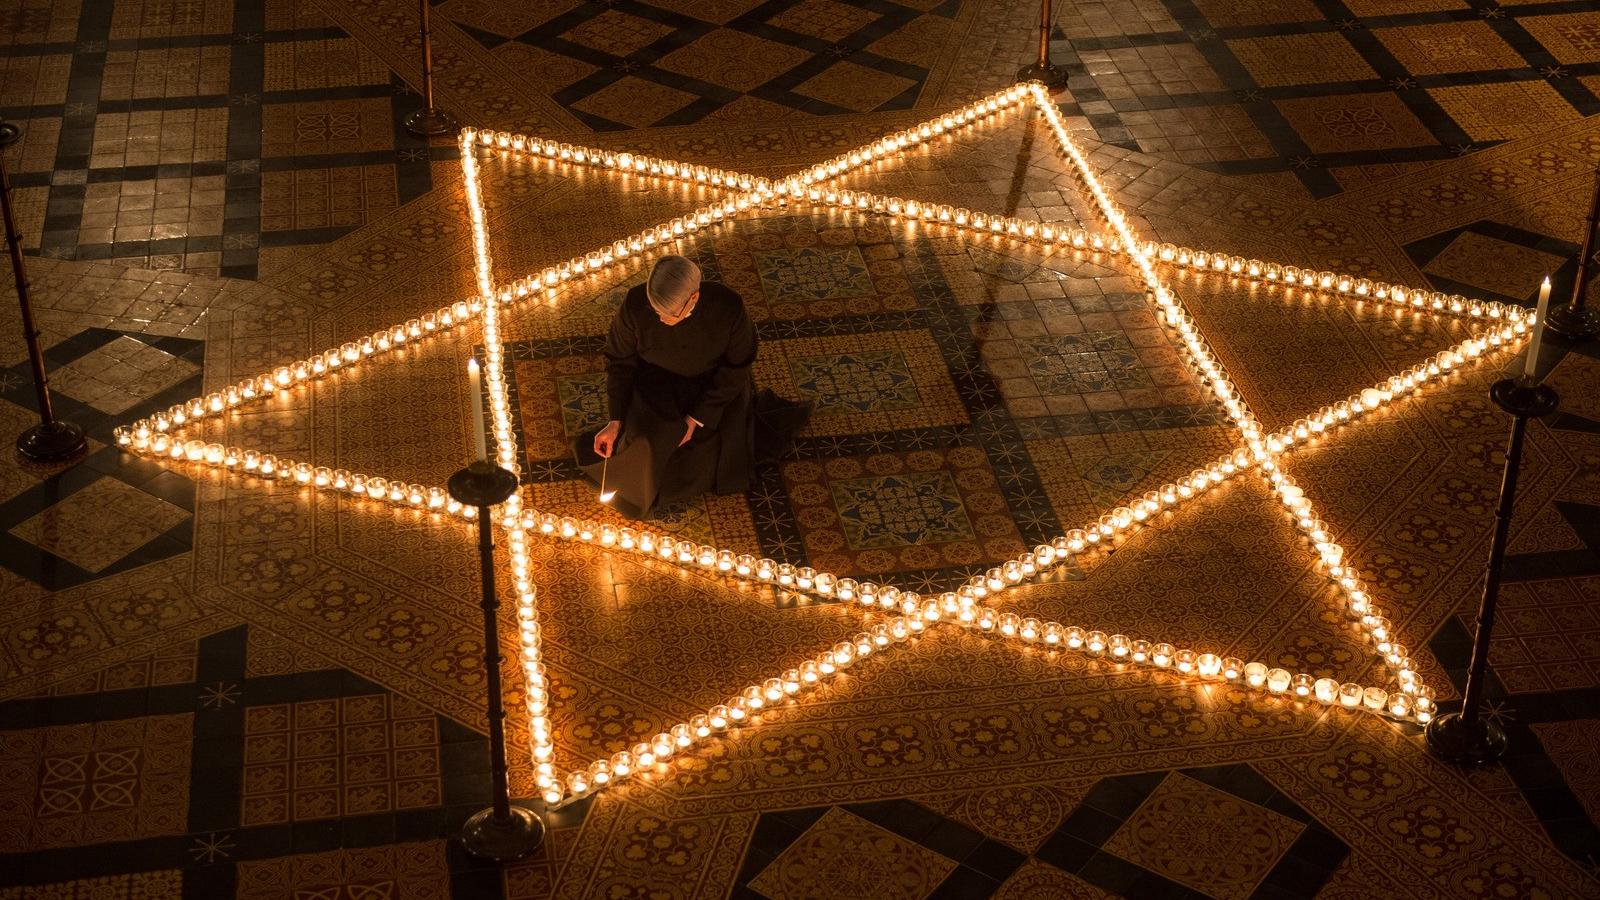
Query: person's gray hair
[672, 280]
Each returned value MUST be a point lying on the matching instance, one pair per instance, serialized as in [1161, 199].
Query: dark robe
[656, 374]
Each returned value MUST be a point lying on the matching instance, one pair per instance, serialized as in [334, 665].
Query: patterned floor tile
[228, 136]
[1497, 266]
[1355, 122]
[1199, 836]
[1483, 110]
[733, 59]
[1301, 59]
[1568, 743]
[412, 871]
[843, 855]
[330, 759]
[850, 86]
[100, 524]
[1449, 47]
[1037, 879]
[96, 783]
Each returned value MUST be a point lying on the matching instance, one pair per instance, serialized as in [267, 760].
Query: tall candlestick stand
[1468, 737]
[9, 134]
[1041, 70]
[502, 832]
[1576, 321]
[429, 121]
[52, 440]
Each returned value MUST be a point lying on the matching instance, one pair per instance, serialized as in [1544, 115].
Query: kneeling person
[683, 411]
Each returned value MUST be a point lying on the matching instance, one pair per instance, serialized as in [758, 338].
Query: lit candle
[475, 380]
[1538, 331]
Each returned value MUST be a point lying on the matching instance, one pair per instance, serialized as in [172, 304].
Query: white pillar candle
[1538, 331]
[475, 386]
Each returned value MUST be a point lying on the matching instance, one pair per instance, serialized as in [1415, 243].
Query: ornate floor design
[977, 396]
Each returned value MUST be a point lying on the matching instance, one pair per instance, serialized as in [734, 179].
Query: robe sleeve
[733, 371]
[622, 363]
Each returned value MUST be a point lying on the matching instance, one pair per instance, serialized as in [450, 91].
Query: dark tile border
[982, 863]
[214, 843]
[53, 572]
[1536, 776]
[686, 29]
[1076, 846]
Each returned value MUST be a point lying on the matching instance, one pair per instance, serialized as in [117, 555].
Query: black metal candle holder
[1042, 70]
[429, 121]
[1576, 321]
[52, 440]
[1468, 737]
[504, 831]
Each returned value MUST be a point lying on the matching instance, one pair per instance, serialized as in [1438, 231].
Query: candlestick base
[1048, 74]
[1523, 400]
[51, 443]
[1452, 739]
[431, 122]
[483, 484]
[1575, 324]
[9, 134]
[514, 837]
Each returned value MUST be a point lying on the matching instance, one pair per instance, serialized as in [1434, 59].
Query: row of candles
[1203, 361]
[150, 435]
[800, 186]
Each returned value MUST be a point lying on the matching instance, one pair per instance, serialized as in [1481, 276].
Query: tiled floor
[211, 687]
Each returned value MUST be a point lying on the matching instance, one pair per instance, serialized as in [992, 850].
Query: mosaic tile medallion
[900, 510]
[1085, 363]
[813, 273]
[583, 402]
[897, 511]
[856, 382]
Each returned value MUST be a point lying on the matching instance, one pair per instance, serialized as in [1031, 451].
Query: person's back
[679, 392]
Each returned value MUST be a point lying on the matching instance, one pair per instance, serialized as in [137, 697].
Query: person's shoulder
[635, 301]
[720, 297]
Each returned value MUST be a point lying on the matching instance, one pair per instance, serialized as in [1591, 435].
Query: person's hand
[689, 431]
[606, 440]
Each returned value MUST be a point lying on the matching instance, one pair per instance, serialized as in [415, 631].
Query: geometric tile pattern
[153, 782]
[669, 62]
[335, 758]
[843, 855]
[121, 361]
[114, 512]
[1223, 830]
[100, 524]
[1335, 94]
[883, 480]
[1355, 132]
[96, 783]
[1199, 836]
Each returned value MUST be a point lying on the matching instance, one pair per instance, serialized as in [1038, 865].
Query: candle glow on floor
[896, 615]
